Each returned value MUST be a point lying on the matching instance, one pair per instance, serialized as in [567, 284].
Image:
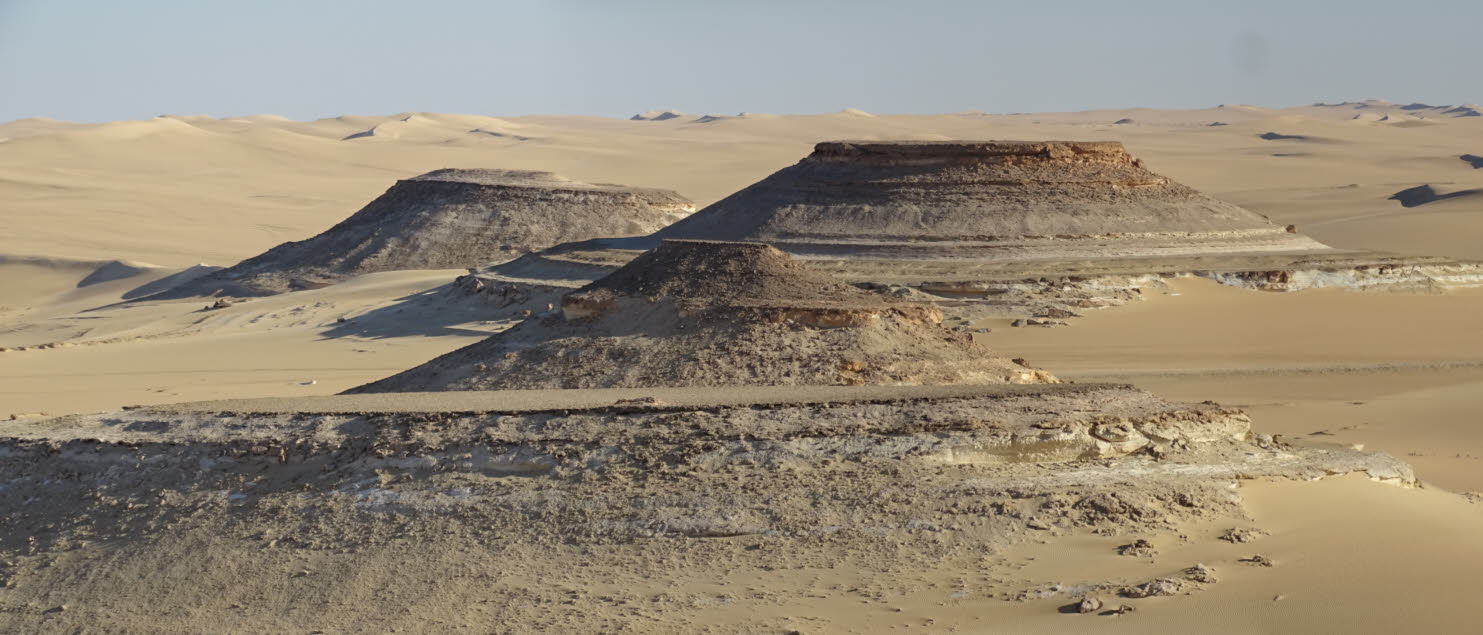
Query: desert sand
[99, 216]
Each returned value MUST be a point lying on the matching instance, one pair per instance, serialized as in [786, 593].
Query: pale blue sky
[103, 60]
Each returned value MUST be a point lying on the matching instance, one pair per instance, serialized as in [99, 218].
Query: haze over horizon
[94, 61]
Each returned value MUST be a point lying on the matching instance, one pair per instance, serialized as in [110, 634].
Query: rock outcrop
[696, 313]
[332, 494]
[1004, 199]
[449, 219]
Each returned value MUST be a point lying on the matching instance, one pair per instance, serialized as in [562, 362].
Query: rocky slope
[694, 313]
[1032, 199]
[471, 516]
[449, 219]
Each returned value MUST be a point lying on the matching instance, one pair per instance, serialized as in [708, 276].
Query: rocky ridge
[1008, 199]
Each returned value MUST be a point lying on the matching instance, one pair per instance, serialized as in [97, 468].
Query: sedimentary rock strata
[992, 215]
[341, 495]
[1008, 199]
[449, 219]
[693, 313]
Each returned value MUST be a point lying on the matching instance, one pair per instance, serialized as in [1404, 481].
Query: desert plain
[1351, 504]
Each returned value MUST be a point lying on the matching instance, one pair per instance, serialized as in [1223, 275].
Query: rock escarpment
[1003, 199]
[696, 313]
[449, 219]
[334, 495]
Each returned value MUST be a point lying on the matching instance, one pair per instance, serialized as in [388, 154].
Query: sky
[108, 60]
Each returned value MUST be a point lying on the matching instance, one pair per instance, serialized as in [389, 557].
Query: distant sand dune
[134, 130]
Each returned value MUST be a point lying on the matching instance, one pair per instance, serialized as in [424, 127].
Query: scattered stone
[1266, 441]
[1258, 560]
[639, 401]
[1115, 432]
[1200, 573]
[1018, 323]
[1241, 535]
[1022, 361]
[1124, 609]
[1156, 587]
[1292, 229]
[1057, 313]
[1139, 548]
[1090, 604]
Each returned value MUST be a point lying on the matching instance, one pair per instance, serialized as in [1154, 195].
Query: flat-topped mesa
[969, 151]
[698, 275]
[695, 313]
[1003, 199]
[449, 219]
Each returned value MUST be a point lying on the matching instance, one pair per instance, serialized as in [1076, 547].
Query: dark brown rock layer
[695, 313]
[1013, 198]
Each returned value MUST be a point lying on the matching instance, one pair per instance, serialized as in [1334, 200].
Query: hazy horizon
[96, 61]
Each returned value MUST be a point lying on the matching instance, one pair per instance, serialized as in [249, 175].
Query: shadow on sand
[431, 313]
